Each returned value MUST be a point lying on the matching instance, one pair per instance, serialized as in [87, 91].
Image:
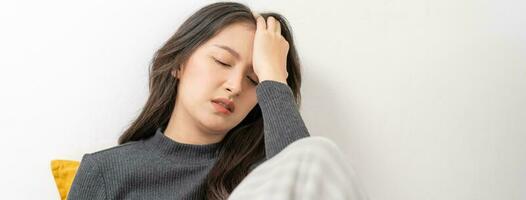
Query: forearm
[283, 123]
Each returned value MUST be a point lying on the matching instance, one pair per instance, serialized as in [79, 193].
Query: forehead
[238, 36]
[236, 30]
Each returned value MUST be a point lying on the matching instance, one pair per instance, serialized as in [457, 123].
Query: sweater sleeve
[281, 118]
[88, 182]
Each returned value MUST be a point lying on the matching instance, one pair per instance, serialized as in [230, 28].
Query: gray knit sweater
[161, 168]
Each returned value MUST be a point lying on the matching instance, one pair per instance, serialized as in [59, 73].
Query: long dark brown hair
[244, 144]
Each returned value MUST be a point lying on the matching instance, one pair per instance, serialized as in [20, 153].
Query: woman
[224, 98]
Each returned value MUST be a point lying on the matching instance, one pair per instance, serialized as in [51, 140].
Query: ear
[176, 73]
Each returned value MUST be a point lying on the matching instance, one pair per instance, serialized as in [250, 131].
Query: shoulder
[113, 155]
[125, 148]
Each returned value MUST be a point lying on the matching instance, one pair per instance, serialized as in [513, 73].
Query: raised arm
[281, 118]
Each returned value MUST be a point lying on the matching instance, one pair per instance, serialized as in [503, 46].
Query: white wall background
[427, 98]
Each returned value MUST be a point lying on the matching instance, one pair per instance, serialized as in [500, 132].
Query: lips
[228, 104]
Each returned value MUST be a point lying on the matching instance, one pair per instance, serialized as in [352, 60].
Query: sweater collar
[182, 153]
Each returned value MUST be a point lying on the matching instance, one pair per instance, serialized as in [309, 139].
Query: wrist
[274, 79]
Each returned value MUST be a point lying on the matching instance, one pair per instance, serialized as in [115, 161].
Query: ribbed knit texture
[161, 168]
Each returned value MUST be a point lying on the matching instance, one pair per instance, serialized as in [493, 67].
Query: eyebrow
[232, 51]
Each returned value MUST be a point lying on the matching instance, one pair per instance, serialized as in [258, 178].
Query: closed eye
[252, 81]
[221, 63]
[224, 64]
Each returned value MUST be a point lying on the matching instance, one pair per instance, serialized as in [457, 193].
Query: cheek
[249, 101]
[208, 76]
[202, 70]
[194, 90]
[201, 78]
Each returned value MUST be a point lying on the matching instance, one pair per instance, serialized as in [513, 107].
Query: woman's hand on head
[269, 58]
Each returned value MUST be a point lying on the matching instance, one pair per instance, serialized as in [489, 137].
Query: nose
[235, 83]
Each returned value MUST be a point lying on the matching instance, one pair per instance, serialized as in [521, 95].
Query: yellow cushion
[64, 172]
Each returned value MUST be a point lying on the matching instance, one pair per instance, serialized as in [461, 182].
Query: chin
[217, 126]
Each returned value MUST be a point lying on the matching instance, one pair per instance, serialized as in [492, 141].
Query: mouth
[225, 103]
[220, 107]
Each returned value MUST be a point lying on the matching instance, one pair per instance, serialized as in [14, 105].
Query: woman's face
[204, 78]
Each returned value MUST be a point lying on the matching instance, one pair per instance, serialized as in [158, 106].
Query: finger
[255, 14]
[261, 23]
[278, 27]
[271, 24]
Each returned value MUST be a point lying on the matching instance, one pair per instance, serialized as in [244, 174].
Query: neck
[182, 154]
[183, 130]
